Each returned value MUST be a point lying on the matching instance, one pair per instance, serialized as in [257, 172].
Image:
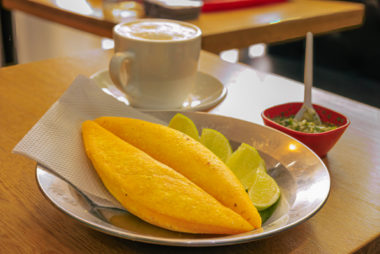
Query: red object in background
[218, 5]
[320, 143]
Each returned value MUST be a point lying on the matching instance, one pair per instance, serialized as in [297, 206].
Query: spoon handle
[308, 71]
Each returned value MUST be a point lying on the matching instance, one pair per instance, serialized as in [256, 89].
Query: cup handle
[119, 74]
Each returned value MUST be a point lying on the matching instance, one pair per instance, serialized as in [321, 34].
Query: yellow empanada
[153, 191]
[188, 157]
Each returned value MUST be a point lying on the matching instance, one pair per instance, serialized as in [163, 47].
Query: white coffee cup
[155, 61]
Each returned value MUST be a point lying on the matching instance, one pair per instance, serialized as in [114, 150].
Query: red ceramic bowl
[320, 143]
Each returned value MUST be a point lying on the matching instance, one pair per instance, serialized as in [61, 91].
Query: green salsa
[304, 125]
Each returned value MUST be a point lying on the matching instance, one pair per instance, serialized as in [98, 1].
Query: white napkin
[55, 141]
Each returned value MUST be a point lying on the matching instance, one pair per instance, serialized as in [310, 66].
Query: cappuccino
[155, 62]
[158, 30]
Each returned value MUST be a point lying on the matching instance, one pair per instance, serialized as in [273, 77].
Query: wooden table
[348, 222]
[221, 30]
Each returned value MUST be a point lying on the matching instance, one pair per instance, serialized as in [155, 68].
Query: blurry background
[346, 63]
[37, 39]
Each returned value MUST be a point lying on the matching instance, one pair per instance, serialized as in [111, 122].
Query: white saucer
[208, 91]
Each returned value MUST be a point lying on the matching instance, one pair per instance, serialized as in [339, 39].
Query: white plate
[302, 176]
[208, 92]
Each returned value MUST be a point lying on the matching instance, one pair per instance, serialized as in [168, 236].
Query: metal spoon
[307, 111]
[93, 207]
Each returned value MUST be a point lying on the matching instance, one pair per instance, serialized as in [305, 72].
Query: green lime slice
[264, 191]
[184, 124]
[267, 213]
[217, 143]
[244, 162]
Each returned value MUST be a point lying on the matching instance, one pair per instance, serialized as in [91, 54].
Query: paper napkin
[55, 141]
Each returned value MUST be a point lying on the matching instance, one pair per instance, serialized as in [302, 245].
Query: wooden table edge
[336, 22]
[353, 17]
[49, 12]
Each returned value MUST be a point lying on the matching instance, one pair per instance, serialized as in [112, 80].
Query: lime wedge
[217, 143]
[244, 162]
[268, 212]
[264, 191]
[184, 124]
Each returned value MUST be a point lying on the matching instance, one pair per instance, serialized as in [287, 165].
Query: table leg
[8, 53]
[243, 55]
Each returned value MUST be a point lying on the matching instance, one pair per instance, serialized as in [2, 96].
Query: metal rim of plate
[302, 176]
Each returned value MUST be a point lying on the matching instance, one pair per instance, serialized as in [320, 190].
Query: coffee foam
[157, 30]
